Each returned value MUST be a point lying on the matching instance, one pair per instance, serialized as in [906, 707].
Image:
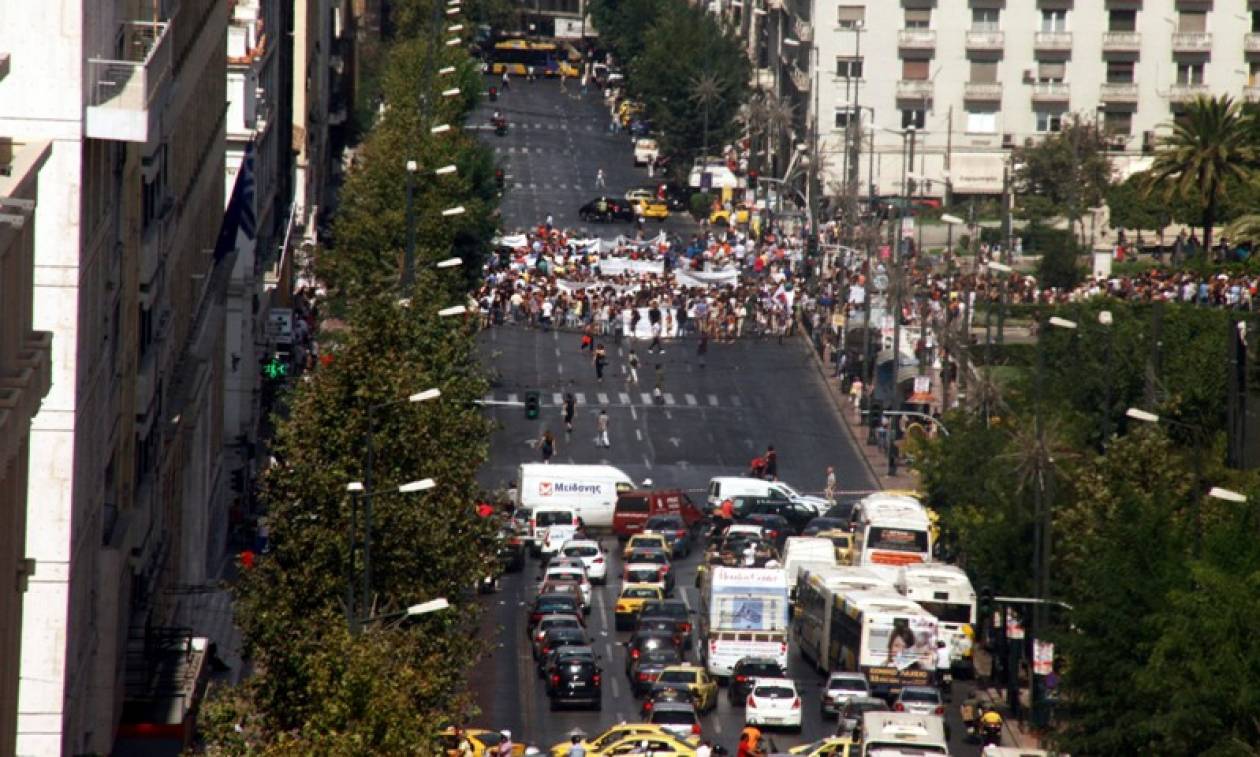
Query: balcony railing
[800, 79]
[1184, 92]
[914, 89]
[986, 91]
[1051, 91]
[1059, 41]
[1119, 92]
[1251, 42]
[916, 39]
[985, 40]
[803, 30]
[1191, 42]
[123, 96]
[1122, 42]
[1251, 93]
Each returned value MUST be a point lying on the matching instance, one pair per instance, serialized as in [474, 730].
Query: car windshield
[665, 655]
[856, 708]
[643, 593]
[670, 609]
[846, 684]
[774, 692]
[580, 551]
[551, 623]
[554, 518]
[674, 717]
[557, 604]
[565, 575]
[761, 668]
[643, 575]
[669, 523]
[919, 695]
[677, 676]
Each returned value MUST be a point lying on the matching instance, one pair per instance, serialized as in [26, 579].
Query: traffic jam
[709, 597]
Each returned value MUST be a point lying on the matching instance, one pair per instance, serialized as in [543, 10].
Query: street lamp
[1202, 437]
[452, 91]
[446, 70]
[1227, 495]
[458, 210]
[450, 263]
[440, 129]
[409, 257]
[453, 310]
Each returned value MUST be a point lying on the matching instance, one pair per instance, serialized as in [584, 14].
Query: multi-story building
[977, 78]
[25, 374]
[127, 512]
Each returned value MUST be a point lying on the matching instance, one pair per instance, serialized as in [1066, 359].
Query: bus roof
[933, 574]
[878, 507]
[903, 729]
[881, 601]
[839, 578]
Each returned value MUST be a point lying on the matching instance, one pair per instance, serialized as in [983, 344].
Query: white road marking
[647, 463]
[615, 687]
[647, 398]
[669, 399]
[668, 417]
[735, 400]
[713, 400]
[638, 435]
[581, 398]
[717, 724]
[557, 352]
[691, 399]
[623, 398]
[511, 398]
[557, 398]
[603, 398]
[633, 413]
[559, 368]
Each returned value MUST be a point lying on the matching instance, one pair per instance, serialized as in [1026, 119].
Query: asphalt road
[716, 417]
[556, 144]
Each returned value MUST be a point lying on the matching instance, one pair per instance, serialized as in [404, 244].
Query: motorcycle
[990, 734]
[947, 686]
[500, 126]
[488, 584]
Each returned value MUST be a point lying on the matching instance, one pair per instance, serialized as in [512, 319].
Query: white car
[570, 573]
[744, 528]
[645, 151]
[774, 701]
[554, 538]
[592, 556]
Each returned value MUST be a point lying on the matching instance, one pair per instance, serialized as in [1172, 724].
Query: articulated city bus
[887, 637]
[946, 592]
[517, 56]
[820, 591]
[891, 531]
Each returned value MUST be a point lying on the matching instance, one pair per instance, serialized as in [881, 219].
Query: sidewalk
[1017, 732]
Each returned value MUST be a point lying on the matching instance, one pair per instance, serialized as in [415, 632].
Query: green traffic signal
[275, 368]
[533, 405]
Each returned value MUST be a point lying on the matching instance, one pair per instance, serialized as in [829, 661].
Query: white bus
[891, 530]
[743, 613]
[902, 734]
[889, 638]
[820, 591]
[946, 592]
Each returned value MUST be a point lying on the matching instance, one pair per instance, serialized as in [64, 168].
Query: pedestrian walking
[601, 430]
[632, 363]
[506, 81]
[658, 392]
[599, 178]
[564, 77]
[829, 489]
[702, 348]
[588, 337]
[570, 404]
[772, 463]
[601, 362]
[654, 320]
[547, 446]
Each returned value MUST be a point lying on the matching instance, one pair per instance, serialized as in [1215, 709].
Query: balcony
[1053, 41]
[1122, 42]
[1191, 42]
[802, 30]
[800, 79]
[982, 91]
[916, 39]
[4, 65]
[1251, 93]
[124, 96]
[1251, 42]
[914, 89]
[986, 41]
[1051, 92]
[1119, 92]
[1180, 93]
[763, 78]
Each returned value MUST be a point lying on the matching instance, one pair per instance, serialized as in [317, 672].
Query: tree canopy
[1063, 175]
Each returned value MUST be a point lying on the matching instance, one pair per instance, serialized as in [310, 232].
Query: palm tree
[1208, 150]
[706, 89]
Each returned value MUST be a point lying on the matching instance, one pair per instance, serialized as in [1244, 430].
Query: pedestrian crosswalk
[625, 399]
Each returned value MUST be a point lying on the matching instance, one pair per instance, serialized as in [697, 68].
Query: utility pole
[896, 285]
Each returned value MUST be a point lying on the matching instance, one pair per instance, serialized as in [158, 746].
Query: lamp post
[356, 490]
[409, 258]
[896, 286]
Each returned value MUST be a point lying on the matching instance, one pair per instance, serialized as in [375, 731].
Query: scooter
[990, 734]
[500, 126]
[947, 686]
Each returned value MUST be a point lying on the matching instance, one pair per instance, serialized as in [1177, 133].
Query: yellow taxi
[626, 738]
[723, 216]
[844, 544]
[628, 110]
[482, 741]
[645, 541]
[697, 680]
[832, 746]
[630, 601]
[653, 208]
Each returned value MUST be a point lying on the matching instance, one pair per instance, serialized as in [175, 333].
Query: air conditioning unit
[1008, 141]
[1148, 141]
[1030, 76]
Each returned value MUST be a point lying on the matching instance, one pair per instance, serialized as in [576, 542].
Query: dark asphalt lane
[556, 143]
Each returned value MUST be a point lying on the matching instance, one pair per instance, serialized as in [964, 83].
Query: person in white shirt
[705, 749]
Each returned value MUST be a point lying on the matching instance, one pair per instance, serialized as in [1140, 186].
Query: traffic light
[275, 368]
[752, 179]
[986, 602]
[500, 179]
[533, 405]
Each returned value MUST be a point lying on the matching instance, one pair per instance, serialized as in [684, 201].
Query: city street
[715, 418]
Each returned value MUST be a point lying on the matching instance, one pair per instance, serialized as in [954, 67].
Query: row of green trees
[316, 687]
[687, 68]
[1156, 657]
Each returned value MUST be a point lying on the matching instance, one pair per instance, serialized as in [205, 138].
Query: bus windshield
[948, 612]
[896, 539]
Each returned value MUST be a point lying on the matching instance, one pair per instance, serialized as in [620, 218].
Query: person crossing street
[601, 362]
[569, 406]
[601, 430]
[599, 178]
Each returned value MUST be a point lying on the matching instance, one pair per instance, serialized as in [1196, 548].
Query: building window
[918, 18]
[1051, 71]
[984, 71]
[851, 16]
[1192, 22]
[914, 70]
[1253, 73]
[1118, 122]
[1122, 20]
[1053, 19]
[848, 67]
[1119, 72]
[982, 121]
[1255, 20]
[1189, 72]
[916, 117]
[844, 115]
[1048, 120]
[985, 19]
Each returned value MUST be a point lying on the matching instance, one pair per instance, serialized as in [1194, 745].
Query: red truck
[635, 507]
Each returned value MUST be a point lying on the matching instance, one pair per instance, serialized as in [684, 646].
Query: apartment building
[25, 375]
[125, 483]
[976, 78]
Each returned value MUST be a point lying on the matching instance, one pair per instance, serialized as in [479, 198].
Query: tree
[1060, 253]
[624, 25]
[1064, 175]
[1208, 148]
[1132, 207]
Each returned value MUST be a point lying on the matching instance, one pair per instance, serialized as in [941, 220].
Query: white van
[589, 490]
[888, 734]
[803, 550]
[546, 518]
[645, 151]
[723, 487]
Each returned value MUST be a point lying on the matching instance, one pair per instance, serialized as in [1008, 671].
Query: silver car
[840, 688]
[679, 718]
[919, 700]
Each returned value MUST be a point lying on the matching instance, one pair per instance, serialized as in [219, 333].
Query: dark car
[677, 197]
[797, 514]
[842, 511]
[612, 209]
[511, 550]
[576, 681]
[559, 637]
[563, 654]
[666, 692]
[850, 716]
[674, 609]
[746, 671]
[673, 528]
[818, 525]
[554, 604]
[647, 666]
[641, 644]
[774, 528]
